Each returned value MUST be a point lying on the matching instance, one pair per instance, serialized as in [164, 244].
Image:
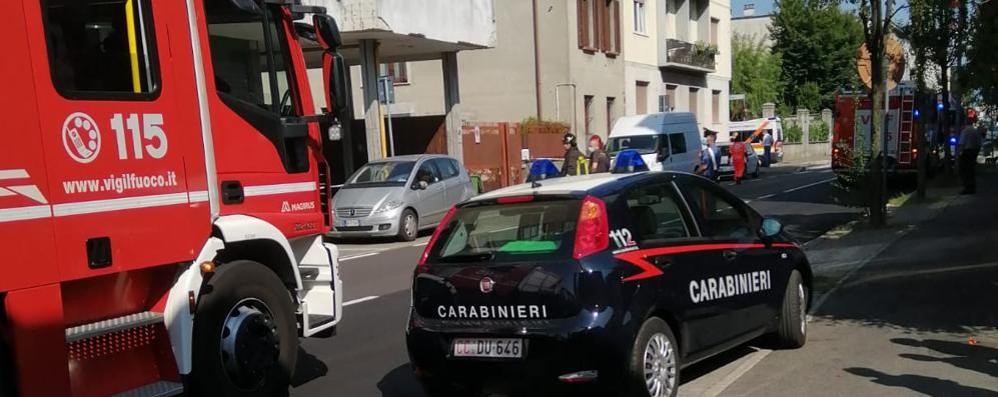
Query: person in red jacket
[738, 152]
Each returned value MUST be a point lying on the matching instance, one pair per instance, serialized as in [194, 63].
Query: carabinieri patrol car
[610, 282]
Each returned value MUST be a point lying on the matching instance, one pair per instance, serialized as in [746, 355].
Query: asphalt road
[368, 356]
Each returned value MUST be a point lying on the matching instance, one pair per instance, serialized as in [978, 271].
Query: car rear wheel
[792, 330]
[408, 226]
[245, 336]
[654, 365]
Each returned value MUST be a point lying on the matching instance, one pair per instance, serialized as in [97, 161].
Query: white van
[667, 141]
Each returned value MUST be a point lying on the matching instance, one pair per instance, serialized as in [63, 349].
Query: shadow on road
[921, 384]
[308, 368]
[976, 358]
[712, 364]
[373, 240]
[400, 382]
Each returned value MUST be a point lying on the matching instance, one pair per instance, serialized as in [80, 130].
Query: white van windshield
[644, 144]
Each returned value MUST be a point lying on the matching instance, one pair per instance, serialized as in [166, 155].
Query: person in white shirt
[767, 148]
[968, 148]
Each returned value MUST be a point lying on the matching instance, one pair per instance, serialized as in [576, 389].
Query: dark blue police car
[608, 282]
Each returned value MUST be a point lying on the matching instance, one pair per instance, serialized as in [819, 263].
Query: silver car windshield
[389, 173]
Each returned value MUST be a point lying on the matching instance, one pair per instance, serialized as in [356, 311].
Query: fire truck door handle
[232, 192]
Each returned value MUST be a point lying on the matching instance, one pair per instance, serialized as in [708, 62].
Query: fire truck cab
[163, 196]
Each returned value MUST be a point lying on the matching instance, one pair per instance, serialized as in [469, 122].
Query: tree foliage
[981, 72]
[755, 73]
[817, 42]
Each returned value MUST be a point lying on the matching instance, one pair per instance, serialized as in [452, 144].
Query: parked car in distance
[752, 161]
[399, 196]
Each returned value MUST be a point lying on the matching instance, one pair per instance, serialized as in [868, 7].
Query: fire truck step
[158, 389]
[92, 330]
[316, 320]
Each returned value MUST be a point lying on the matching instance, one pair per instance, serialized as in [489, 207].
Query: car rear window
[534, 230]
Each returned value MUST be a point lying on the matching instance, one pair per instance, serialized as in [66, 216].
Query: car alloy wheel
[659, 366]
[410, 225]
[802, 308]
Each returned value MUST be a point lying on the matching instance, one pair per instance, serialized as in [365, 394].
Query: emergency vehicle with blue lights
[608, 282]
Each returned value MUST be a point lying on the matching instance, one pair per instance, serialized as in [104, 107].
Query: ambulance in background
[756, 129]
[902, 137]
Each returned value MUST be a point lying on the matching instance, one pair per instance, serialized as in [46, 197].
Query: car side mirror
[770, 228]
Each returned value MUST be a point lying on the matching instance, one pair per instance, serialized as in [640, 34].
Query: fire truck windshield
[250, 55]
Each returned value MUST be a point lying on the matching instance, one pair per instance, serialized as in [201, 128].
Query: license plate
[351, 222]
[488, 347]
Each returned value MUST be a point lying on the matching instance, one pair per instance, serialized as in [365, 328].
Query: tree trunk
[923, 147]
[944, 126]
[877, 90]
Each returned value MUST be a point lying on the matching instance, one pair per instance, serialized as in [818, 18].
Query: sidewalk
[899, 311]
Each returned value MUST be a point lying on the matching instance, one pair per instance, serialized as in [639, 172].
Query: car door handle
[729, 254]
[659, 262]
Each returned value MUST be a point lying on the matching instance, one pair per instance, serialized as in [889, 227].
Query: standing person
[572, 155]
[737, 157]
[968, 147]
[598, 160]
[767, 148]
[708, 159]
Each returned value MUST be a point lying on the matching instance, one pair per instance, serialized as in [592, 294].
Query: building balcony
[683, 55]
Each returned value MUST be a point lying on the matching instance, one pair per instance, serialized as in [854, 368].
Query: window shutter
[604, 24]
[616, 26]
[583, 23]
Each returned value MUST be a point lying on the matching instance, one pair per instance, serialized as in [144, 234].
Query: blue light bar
[542, 169]
[629, 161]
[952, 140]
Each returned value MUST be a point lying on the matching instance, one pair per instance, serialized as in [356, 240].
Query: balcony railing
[686, 55]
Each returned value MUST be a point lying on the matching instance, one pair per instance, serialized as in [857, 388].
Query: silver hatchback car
[399, 196]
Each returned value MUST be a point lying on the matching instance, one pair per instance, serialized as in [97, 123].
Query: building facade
[678, 58]
[565, 67]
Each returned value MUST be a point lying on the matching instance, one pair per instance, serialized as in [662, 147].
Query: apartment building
[552, 59]
[677, 57]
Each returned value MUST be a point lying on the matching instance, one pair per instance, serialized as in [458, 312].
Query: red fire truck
[902, 136]
[163, 196]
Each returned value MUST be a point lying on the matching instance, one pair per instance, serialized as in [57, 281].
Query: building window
[599, 26]
[587, 103]
[89, 54]
[715, 105]
[639, 16]
[399, 72]
[609, 113]
[641, 97]
[694, 94]
[670, 97]
[714, 22]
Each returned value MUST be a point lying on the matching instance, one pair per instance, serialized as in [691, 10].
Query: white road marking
[766, 196]
[808, 185]
[421, 244]
[717, 388]
[359, 256]
[360, 300]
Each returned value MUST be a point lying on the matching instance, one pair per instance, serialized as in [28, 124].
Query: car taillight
[515, 199]
[591, 231]
[436, 234]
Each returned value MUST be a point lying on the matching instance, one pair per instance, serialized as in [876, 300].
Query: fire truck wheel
[245, 335]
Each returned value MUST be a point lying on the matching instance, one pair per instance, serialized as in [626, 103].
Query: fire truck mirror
[327, 31]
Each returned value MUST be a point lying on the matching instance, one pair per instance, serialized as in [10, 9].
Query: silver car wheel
[409, 225]
[659, 366]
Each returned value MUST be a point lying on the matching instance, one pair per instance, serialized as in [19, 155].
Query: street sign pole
[389, 85]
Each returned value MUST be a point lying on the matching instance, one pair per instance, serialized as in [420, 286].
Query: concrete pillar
[826, 117]
[804, 122]
[372, 108]
[768, 110]
[452, 106]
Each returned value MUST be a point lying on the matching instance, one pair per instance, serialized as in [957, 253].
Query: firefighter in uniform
[574, 160]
